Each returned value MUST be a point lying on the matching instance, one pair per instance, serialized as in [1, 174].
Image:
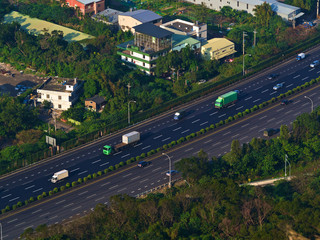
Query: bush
[39, 197]
[7, 208]
[89, 176]
[138, 158]
[143, 155]
[121, 164]
[79, 180]
[212, 126]
[111, 168]
[188, 137]
[207, 129]
[198, 133]
[193, 135]
[100, 173]
[85, 179]
[62, 188]
[240, 114]
[306, 84]
[164, 147]
[116, 166]
[106, 170]
[226, 121]
[132, 160]
[273, 99]
[158, 149]
[19, 204]
[67, 185]
[149, 153]
[14, 206]
[94, 175]
[44, 194]
[26, 202]
[3, 211]
[230, 119]
[202, 131]
[235, 117]
[173, 143]
[247, 111]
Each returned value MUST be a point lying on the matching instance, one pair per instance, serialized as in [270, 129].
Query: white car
[173, 172]
[278, 86]
[314, 63]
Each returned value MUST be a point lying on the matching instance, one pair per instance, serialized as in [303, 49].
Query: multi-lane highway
[155, 132]
[133, 180]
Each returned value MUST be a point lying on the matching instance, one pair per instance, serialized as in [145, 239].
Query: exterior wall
[91, 105]
[208, 53]
[94, 7]
[59, 100]
[127, 23]
[139, 55]
[179, 47]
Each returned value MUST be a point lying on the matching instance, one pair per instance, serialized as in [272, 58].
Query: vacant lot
[36, 26]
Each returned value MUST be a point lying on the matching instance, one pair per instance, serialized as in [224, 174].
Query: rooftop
[275, 5]
[58, 84]
[178, 40]
[142, 15]
[181, 25]
[88, 1]
[152, 30]
[110, 14]
[97, 99]
[217, 43]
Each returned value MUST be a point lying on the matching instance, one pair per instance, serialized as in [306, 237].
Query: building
[128, 20]
[287, 12]
[182, 41]
[62, 93]
[217, 48]
[108, 16]
[149, 43]
[181, 27]
[95, 103]
[87, 6]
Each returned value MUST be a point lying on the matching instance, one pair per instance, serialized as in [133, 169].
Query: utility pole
[170, 173]
[294, 20]
[254, 39]
[129, 110]
[129, 86]
[318, 9]
[243, 35]
[285, 166]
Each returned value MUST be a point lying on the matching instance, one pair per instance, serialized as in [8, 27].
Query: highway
[155, 132]
[133, 180]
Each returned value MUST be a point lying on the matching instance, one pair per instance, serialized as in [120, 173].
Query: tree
[263, 14]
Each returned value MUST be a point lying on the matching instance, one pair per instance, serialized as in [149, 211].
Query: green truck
[127, 140]
[226, 99]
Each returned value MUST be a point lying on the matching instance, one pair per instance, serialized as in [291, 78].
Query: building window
[98, 5]
[144, 64]
[210, 4]
[144, 56]
[237, 3]
[48, 96]
[247, 6]
[59, 97]
[220, 0]
[219, 7]
[59, 105]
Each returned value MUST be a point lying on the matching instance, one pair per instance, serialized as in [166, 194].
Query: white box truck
[59, 176]
[300, 56]
[127, 140]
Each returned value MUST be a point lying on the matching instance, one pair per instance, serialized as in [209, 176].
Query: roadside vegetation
[99, 65]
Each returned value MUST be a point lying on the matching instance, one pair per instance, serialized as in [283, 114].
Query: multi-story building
[87, 6]
[108, 16]
[181, 27]
[149, 43]
[62, 93]
[217, 48]
[128, 20]
[287, 12]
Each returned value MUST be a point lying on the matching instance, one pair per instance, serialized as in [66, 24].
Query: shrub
[31, 199]
[85, 179]
[169, 145]
[235, 117]
[26, 202]
[143, 155]
[128, 161]
[132, 160]
[226, 121]
[7, 208]
[67, 185]
[244, 113]
[62, 188]
[273, 99]
[39, 197]
[121, 164]
[94, 175]
[252, 109]
[158, 149]
[165, 146]
[89, 176]
[306, 84]
[240, 114]
[117, 166]
[44, 194]
[193, 135]
[111, 168]
[50, 193]
[173, 143]
[188, 137]
[106, 170]
[3, 211]
[298, 88]
[202, 131]
[198, 133]
[230, 119]
[19, 204]
[74, 183]
[14, 206]
[207, 129]
[221, 122]
[99, 173]
[212, 126]
[247, 111]
[79, 180]
[138, 158]
[149, 153]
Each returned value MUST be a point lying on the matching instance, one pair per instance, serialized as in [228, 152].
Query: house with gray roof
[128, 20]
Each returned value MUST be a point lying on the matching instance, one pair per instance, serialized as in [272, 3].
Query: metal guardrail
[156, 188]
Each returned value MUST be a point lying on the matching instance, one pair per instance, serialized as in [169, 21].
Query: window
[247, 6]
[237, 3]
[59, 106]
[48, 96]
[59, 97]
[220, 0]
[210, 4]
[144, 64]
[144, 56]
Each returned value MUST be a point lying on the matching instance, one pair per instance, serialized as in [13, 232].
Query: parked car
[172, 172]
[315, 63]
[202, 81]
[143, 164]
[273, 76]
[278, 86]
[18, 87]
[285, 102]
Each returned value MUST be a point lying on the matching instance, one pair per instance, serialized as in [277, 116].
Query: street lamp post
[285, 166]
[244, 34]
[129, 110]
[169, 168]
[311, 102]
[1, 230]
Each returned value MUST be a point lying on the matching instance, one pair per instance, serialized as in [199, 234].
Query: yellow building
[217, 48]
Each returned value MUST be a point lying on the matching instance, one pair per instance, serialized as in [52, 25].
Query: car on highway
[315, 63]
[285, 102]
[273, 76]
[238, 91]
[171, 173]
[278, 86]
[179, 114]
[143, 164]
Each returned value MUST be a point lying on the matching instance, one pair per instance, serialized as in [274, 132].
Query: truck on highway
[300, 56]
[226, 99]
[59, 176]
[127, 140]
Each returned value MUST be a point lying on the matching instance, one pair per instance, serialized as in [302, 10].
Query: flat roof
[58, 84]
[217, 43]
[178, 40]
[142, 15]
[88, 1]
[152, 30]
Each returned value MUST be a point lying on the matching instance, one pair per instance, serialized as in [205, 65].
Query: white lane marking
[165, 139]
[239, 108]
[210, 140]
[176, 129]
[82, 193]
[265, 91]
[68, 205]
[20, 224]
[289, 85]
[91, 196]
[29, 187]
[36, 211]
[146, 147]
[270, 120]
[273, 93]
[26, 182]
[60, 201]
[144, 180]
[104, 164]
[280, 109]
[44, 214]
[234, 136]
[13, 220]
[127, 175]
[312, 69]
[222, 115]
[154, 170]
[75, 208]
[248, 98]
[263, 117]
[196, 120]
[117, 153]
[245, 125]
[225, 146]
[83, 172]
[76, 169]
[132, 179]
[311, 95]
[212, 113]
[113, 187]
[13, 199]
[138, 144]
[288, 112]
[188, 149]
[125, 155]
[185, 131]
[99, 199]
[203, 123]
[296, 76]
[39, 189]
[304, 78]
[257, 100]
[295, 102]
[308, 103]
[121, 189]
[226, 133]
[105, 184]
[157, 137]
[243, 138]
[216, 144]
[28, 227]
[96, 161]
